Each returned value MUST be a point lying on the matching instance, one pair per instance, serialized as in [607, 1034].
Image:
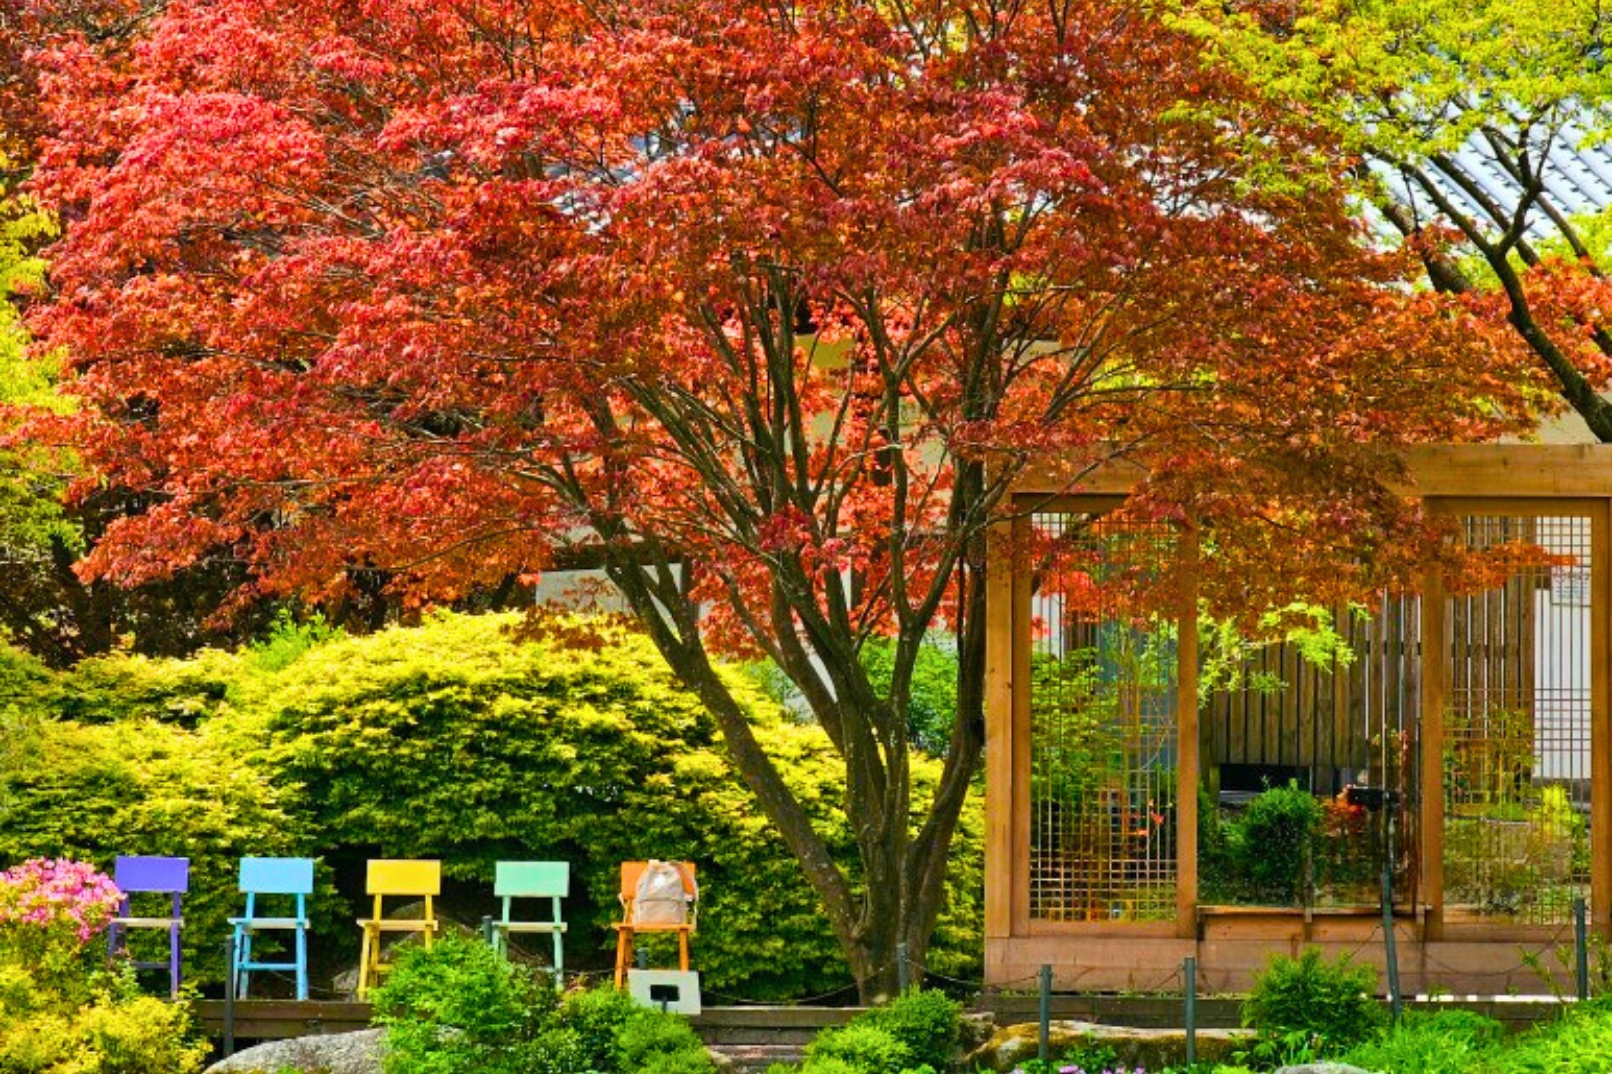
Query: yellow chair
[628, 928]
[408, 879]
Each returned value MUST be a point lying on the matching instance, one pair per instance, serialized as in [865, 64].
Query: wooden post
[1187, 759]
[999, 880]
[1022, 644]
[1434, 660]
[1601, 718]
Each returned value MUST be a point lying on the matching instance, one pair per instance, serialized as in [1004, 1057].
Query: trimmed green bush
[925, 1021]
[653, 1042]
[862, 1047]
[597, 1016]
[1334, 1002]
[1277, 837]
[459, 1007]
[137, 786]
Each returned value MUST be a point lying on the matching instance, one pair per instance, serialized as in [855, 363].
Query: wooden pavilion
[1458, 742]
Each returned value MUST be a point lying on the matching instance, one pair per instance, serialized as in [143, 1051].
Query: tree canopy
[1431, 93]
[762, 305]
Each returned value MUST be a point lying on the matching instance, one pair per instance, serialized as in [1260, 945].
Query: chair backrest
[139, 873]
[632, 870]
[532, 879]
[390, 876]
[277, 876]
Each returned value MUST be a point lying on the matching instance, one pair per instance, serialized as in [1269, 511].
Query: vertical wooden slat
[1001, 569]
[1186, 710]
[1435, 645]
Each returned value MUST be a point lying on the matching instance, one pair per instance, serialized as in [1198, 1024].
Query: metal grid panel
[1103, 725]
[1517, 730]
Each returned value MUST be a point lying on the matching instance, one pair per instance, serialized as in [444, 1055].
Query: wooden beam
[1522, 470]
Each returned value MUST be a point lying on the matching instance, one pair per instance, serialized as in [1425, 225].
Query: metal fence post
[1395, 1000]
[229, 996]
[1045, 1047]
[1189, 984]
[1581, 948]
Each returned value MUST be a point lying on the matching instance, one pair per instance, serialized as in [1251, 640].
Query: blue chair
[274, 877]
[138, 875]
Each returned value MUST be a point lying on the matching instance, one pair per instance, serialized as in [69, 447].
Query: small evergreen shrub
[1334, 1002]
[458, 1007]
[598, 1017]
[925, 1021]
[1277, 836]
[651, 1040]
[861, 1047]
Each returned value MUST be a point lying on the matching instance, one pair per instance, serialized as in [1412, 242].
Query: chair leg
[243, 955]
[173, 961]
[302, 963]
[363, 967]
[682, 949]
[623, 956]
[559, 961]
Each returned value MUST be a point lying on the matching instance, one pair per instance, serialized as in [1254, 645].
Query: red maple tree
[763, 304]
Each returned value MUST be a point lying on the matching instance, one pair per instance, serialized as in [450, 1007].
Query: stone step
[756, 1058]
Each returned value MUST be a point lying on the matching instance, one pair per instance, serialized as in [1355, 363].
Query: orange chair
[626, 928]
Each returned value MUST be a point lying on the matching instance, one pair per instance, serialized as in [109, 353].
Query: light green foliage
[932, 704]
[119, 1031]
[1577, 1044]
[925, 1021]
[30, 479]
[1411, 78]
[62, 1012]
[92, 792]
[1448, 1042]
[1310, 1004]
[460, 1007]
[859, 1047]
[1227, 650]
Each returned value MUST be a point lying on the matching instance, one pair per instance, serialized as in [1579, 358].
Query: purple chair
[160, 876]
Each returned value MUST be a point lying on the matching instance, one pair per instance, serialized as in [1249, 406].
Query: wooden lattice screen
[1102, 726]
[1517, 729]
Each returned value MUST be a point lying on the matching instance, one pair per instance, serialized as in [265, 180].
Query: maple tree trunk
[903, 873]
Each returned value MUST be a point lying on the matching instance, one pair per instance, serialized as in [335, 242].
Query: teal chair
[532, 880]
[274, 877]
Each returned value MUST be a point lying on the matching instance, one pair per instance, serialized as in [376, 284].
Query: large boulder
[337, 1053]
[1150, 1049]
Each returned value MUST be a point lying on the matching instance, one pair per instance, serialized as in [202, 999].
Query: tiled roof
[1578, 180]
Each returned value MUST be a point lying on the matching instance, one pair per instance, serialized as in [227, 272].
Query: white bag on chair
[660, 898]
